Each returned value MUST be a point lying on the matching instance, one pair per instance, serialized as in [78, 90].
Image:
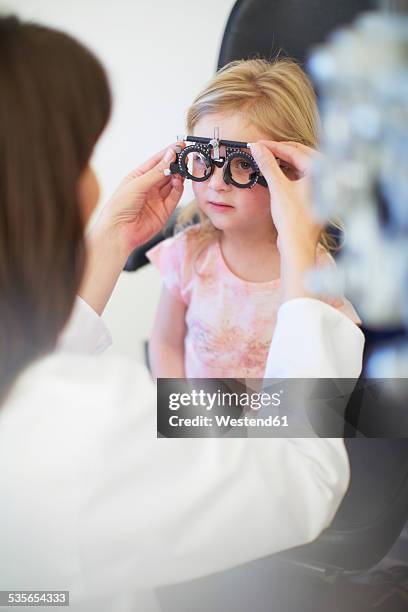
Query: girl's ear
[88, 193]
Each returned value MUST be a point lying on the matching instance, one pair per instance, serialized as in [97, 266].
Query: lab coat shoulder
[72, 379]
[80, 397]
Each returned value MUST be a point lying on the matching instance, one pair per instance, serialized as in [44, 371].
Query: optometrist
[92, 502]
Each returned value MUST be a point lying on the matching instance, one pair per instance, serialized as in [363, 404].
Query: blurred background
[158, 55]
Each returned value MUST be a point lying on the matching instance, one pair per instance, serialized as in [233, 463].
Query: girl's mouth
[220, 206]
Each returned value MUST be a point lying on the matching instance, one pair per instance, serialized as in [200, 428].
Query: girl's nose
[216, 180]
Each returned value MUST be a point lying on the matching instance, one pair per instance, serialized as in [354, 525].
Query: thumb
[267, 164]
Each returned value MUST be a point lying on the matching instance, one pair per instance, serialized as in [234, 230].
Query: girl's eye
[198, 159]
[244, 165]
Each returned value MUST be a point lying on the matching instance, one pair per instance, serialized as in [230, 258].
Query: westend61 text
[227, 421]
[203, 399]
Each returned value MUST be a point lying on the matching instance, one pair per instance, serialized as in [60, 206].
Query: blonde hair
[276, 97]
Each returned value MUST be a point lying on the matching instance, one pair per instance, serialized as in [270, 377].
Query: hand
[291, 209]
[143, 203]
[137, 211]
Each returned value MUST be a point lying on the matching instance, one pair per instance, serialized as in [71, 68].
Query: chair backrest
[290, 27]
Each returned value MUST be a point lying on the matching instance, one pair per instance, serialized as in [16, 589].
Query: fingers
[171, 193]
[296, 154]
[150, 163]
[145, 167]
[267, 164]
[161, 159]
[174, 181]
[164, 162]
[153, 161]
[300, 145]
[164, 191]
[154, 177]
[313, 154]
[176, 191]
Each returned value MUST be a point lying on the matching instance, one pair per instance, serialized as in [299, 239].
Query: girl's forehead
[232, 126]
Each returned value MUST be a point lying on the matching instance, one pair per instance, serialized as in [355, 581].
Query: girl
[217, 311]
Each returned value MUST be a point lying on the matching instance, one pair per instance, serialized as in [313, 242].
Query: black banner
[288, 408]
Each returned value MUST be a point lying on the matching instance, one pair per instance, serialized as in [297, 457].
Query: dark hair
[54, 104]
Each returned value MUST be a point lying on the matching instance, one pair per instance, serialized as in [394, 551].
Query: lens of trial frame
[241, 170]
[198, 164]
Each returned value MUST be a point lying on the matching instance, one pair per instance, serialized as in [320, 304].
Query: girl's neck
[252, 256]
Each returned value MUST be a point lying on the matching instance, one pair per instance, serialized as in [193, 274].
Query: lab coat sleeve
[162, 511]
[313, 339]
[85, 331]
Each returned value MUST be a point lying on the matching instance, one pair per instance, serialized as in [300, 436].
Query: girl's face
[227, 206]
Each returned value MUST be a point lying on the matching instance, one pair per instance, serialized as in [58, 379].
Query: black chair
[264, 28]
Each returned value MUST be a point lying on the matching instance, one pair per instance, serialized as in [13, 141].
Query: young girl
[217, 311]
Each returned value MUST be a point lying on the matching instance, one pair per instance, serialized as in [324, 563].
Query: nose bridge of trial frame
[215, 143]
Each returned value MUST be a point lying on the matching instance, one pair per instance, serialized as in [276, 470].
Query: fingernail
[169, 155]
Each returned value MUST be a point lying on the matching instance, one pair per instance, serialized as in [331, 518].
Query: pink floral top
[230, 321]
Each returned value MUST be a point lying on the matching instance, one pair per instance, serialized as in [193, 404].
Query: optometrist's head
[54, 104]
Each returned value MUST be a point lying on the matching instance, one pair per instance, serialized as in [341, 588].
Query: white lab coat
[94, 503]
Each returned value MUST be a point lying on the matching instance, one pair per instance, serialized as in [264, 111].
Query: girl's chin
[222, 224]
[219, 218]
